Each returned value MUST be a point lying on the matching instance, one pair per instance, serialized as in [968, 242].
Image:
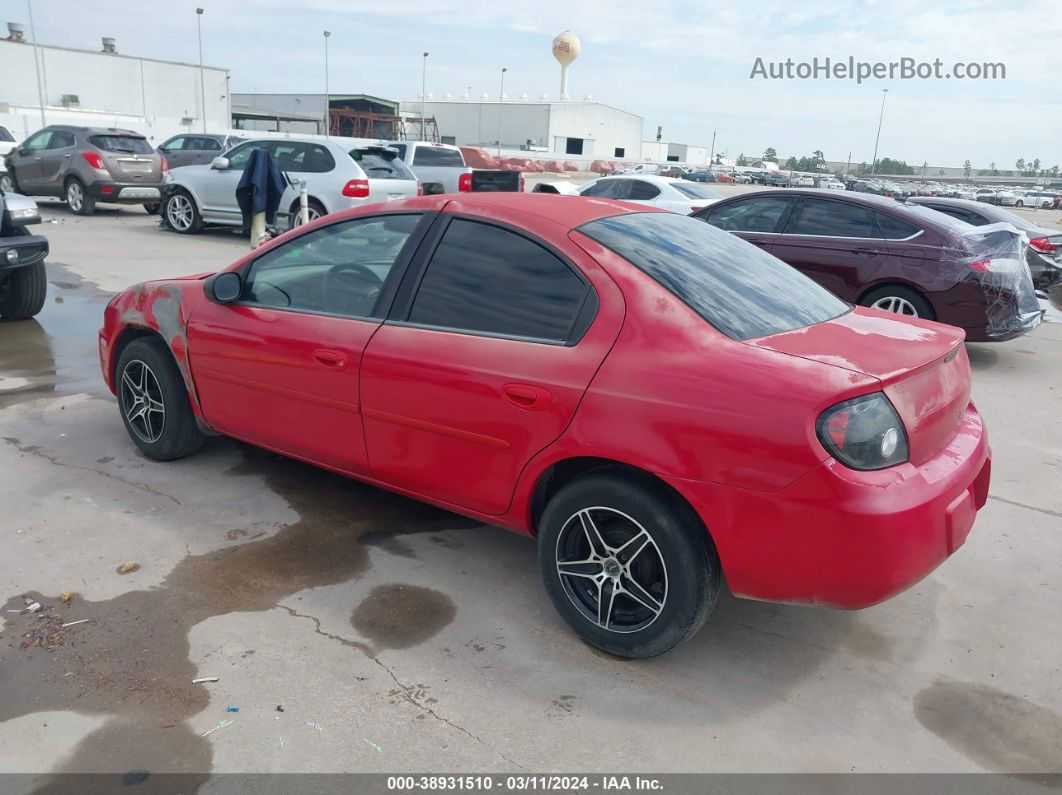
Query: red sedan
[657, 401]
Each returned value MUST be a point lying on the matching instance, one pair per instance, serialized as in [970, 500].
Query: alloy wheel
[896, 305]
[142, 401]
[75, 196]
[311, 214]
[7, 185]
[179, 212]
[611, 569]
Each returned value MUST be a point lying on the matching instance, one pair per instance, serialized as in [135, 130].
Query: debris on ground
[128, 567]
[221, 725]
[374, 745]
[279, 708]
[202, 679]
[33, 608]
[66, 597]
[232, 709]
[75, 623]
[46, 632]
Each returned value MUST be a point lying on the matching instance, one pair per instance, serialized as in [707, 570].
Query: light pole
[327, 102]
[881, 116]
[501, 101]
[36, 64]
[423, 95]
[711, 157]
[202, 79]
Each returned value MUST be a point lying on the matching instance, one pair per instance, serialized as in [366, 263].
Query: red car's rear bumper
[849, 539]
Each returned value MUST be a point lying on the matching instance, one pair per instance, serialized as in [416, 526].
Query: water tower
[565, 49]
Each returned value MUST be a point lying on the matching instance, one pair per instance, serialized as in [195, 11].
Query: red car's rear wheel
[627, 565]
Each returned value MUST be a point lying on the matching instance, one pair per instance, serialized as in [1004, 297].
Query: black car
[1044, 253]
[199, 149]
[23, 282]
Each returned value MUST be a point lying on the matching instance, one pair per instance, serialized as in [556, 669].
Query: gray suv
[196, 150]
[85, 165]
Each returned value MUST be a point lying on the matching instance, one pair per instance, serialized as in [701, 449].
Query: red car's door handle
[526, 396]
[866, 252]
[329, 358]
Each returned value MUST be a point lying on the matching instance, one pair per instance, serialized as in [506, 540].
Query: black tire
[153, 208]
[23, 293]
[8, 183]
[175, 434]
[181, 213]
[1019, 203]
[680, 570]
[898, 293]
[77, 197]
[317, 210]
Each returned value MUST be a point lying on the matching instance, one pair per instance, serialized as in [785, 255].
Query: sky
[684, 65]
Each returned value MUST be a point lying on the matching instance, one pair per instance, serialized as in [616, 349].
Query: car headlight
[28, 215]
[864, 433]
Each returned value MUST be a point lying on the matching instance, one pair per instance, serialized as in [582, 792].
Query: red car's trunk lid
[922, 366]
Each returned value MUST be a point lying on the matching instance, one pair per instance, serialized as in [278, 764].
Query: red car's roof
[571, 211]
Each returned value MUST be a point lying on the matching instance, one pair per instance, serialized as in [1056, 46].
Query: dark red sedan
[655, 400]
[874, 251]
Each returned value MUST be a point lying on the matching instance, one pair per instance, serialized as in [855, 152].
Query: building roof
[110, 54]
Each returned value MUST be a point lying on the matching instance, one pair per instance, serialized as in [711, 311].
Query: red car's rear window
[738, 288]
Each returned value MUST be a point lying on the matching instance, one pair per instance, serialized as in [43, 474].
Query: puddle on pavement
[1000, 731]
[55, 352]
[400, 616]
[130, 661]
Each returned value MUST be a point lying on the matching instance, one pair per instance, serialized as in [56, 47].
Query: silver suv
[85, 165]
[340, 173]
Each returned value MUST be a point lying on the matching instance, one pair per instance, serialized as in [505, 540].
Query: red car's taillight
[864, 433]
[164, 163]
[1044, 246]
[464, 183]
[357, 189]
[93, 160]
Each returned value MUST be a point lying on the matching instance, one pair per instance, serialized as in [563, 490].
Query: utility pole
[711, 157]
[328, 102]
[877, 138]
[202, 79]
[501, 101]
[36, 63]
[848, 167]
[423, 96]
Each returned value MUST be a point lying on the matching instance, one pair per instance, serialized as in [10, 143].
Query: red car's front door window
[280, 368]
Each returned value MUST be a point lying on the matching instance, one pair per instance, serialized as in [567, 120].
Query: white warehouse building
[582, 129]
[107, 89]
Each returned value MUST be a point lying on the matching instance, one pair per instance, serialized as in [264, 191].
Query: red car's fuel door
[486, 361]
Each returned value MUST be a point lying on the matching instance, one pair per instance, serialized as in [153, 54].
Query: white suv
[340, 173]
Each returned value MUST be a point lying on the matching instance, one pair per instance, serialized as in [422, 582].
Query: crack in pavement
[407, 695]
[1048, 511]
[35, 450]
[406, 691]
